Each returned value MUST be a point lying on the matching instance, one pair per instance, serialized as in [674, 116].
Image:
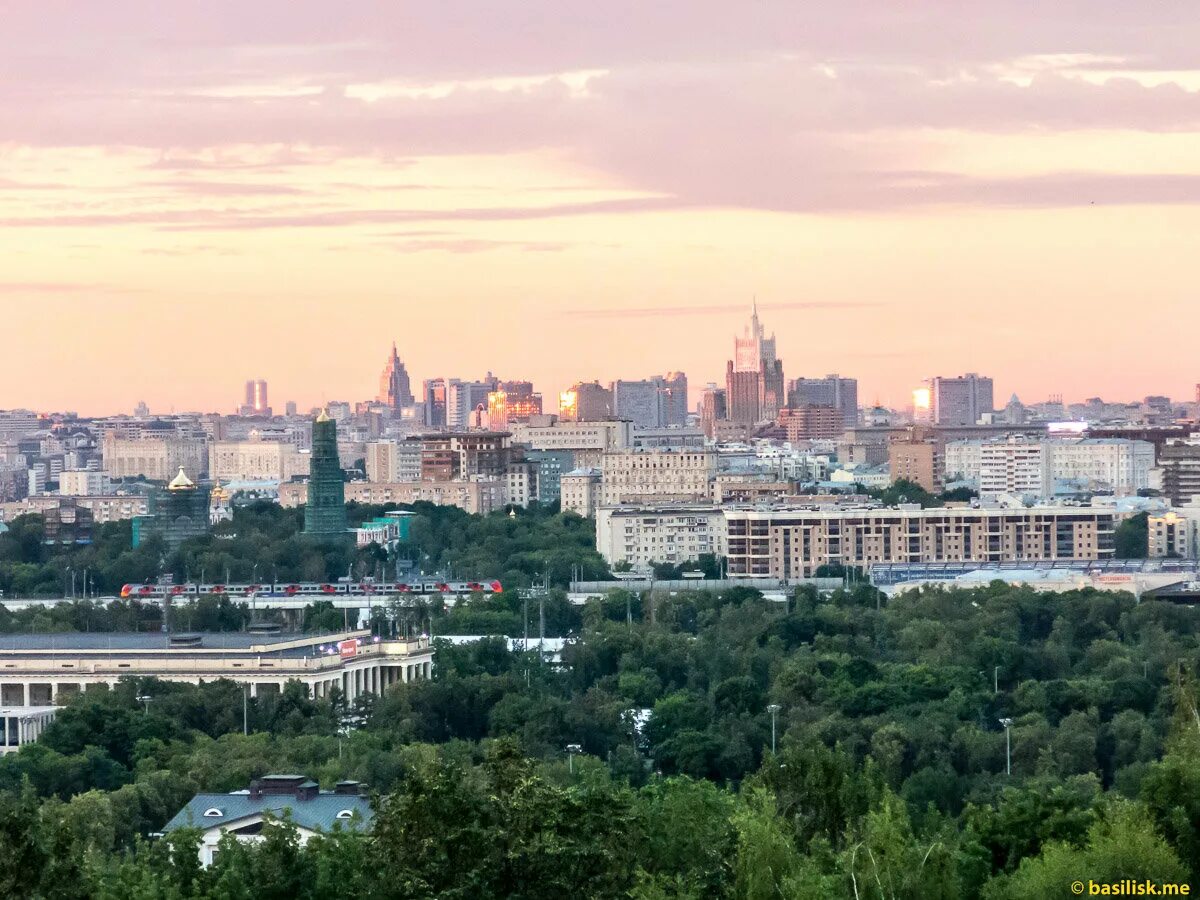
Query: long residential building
[794, 543]
[481, 494]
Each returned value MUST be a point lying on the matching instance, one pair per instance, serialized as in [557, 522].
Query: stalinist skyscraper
[394, 387]
[754, 377]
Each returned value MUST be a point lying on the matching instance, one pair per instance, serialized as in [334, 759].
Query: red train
[314, 589]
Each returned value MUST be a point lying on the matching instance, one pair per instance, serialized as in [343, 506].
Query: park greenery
[888, 778]
[265, 542]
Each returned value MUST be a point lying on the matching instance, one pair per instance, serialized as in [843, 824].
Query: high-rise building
[754, 377]
[960, 401]
[676, 387]
[1180, 464]
[713, 408]
[917, 457]
[436, 396]
[395, 390]
[464, 398]
[641, 402]
[255, 400]
[652, 402]
[512, 401]
[832, 390]
[585, 402]
[325, 509]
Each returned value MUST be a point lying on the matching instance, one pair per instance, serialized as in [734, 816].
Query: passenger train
[312, 589]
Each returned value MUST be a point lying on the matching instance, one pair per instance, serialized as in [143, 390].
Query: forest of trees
[889, 777]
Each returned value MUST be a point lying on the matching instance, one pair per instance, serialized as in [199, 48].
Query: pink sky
[193, 194]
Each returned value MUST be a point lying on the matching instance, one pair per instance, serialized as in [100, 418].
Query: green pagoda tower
[325, 512]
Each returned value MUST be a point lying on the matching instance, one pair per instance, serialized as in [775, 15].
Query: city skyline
[906, 191]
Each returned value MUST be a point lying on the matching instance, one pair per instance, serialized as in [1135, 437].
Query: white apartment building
[1107, 464]
[659, 534]
[1119, 465]
[1016, 467]
[579, 492]
[256, 460]
[83, 482]
[656, 476]
[393, 461]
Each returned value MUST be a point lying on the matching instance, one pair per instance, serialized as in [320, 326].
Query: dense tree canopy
[889, 779]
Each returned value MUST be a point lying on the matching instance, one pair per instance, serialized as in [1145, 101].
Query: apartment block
[794, 543]
[659, 534]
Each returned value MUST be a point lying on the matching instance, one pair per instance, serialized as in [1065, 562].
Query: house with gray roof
[292, 798]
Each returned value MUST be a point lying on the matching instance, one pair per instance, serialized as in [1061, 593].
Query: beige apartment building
[793, 543]
[656, 476]
[392, 461]
[579, 492]
[153, 458]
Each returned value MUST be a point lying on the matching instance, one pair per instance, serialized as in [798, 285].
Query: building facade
[960, 401]
[793, 543]
[580, 491]
[643, 536]
[832, 390]
[656, 476]
[395, 388]
[155, 458]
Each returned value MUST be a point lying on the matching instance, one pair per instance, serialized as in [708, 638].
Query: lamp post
[572, 749]
[144, 699]
[773, 709]
[1007, 723]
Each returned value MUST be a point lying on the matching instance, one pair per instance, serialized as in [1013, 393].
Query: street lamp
[145, 700]
[1007, 723]
[572, 749]
[773, 709]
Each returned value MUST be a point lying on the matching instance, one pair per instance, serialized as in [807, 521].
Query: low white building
[23, 724]
[294, 798]
[642, 536]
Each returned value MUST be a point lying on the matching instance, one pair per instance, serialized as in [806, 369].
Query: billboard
[348, 649]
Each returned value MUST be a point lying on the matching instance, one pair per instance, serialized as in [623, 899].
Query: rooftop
[288, 644]
[291, 797]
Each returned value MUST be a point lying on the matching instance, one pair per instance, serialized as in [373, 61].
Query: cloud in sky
[961, 164]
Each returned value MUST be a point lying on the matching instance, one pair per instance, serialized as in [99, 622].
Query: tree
[1131, 540]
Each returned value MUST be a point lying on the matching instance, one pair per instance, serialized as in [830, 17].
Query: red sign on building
[348, 648]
